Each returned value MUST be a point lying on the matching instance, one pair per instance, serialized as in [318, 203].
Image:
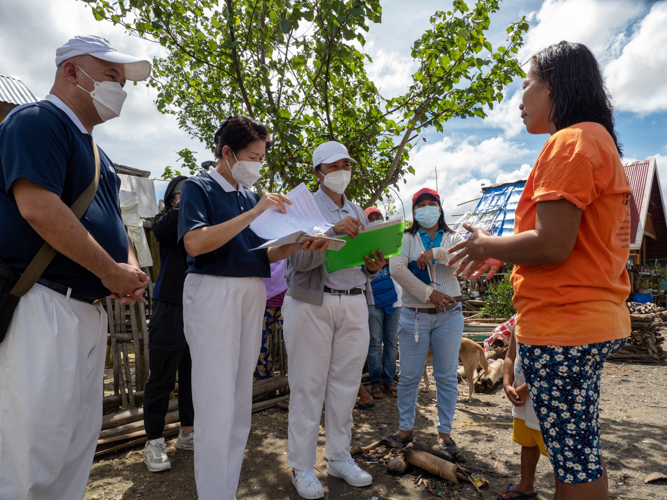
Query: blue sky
[628, 38]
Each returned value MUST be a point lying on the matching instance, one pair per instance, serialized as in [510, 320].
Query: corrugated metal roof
[637, 173]
[495, 209]
[14, 91]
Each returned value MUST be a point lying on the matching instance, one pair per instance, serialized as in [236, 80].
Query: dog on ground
[471, 356]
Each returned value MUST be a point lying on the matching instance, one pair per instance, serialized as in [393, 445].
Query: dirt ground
[634, 436]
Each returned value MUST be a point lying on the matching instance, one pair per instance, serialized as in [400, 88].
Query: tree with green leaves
[296, 65]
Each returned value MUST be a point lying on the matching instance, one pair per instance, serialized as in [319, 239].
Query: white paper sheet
[302, 215]
[300, 237]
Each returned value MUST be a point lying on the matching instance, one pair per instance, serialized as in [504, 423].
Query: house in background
[13, 92]
[648, 228]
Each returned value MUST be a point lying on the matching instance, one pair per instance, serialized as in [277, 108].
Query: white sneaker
[186, 442]
[350, 472]
[306, 484]
[155, 456]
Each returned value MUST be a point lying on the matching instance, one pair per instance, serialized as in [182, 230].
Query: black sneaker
[449, 446]
[396, 441]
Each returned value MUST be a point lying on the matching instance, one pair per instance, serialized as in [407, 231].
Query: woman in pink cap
[430, 318]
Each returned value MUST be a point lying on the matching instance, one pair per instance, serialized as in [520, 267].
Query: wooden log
[271, 384]
[132, 415]
[112, 328]
[397, 466]
[169, 430]
[115, 400]
[137, 347]
[169, 418]
[271, 402]
[485, 383]
[120, 337]
[144, 330]
[431, 463]
[358, 450]
[128, 376]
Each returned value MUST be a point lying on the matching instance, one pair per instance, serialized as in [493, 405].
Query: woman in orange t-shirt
[570, 248]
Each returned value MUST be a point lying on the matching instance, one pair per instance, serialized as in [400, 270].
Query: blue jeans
[384, 329]
[442, 333]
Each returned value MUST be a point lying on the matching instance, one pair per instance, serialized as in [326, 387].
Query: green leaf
[285, 26]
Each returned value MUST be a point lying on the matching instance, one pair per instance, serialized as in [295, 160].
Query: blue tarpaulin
[495, 210]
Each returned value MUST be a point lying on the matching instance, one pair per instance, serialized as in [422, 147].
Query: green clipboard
[388, 237]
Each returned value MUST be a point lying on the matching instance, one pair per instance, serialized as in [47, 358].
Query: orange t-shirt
[581, 300]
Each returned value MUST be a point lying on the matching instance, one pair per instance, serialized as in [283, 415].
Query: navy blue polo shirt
[40, 143]
[204, 202]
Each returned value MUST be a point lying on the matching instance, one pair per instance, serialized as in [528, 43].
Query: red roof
[647, 199]
[637, 173]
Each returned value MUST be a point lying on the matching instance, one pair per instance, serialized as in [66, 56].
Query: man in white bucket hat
[52, 356]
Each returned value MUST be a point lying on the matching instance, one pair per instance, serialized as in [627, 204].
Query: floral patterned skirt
[564, 384]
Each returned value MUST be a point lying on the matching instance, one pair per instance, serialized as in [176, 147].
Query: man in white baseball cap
[52, 356]
[136, 69]
[327, 358]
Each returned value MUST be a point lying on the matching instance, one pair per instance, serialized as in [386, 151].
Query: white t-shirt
[525, 412]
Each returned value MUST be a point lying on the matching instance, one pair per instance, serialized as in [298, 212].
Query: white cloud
[594, 23]
[141, 137]
[519, 174]
[390, 71]
[638, 77]
[506, 115]
[462, 165]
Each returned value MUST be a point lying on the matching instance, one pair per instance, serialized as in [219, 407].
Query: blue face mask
[427, 216]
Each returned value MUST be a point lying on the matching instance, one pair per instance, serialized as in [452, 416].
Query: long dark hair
[414, 229]
[572, 75]
[237, 132]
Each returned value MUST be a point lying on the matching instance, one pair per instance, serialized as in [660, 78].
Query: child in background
[526, 431]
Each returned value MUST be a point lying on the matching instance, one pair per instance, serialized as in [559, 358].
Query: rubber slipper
[283, 405]
[376, 392]
[522, 494]
[367, 406]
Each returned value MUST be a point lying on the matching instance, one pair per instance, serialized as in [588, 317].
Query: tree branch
[235, 60]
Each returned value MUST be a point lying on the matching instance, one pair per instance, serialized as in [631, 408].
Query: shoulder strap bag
[13, 284]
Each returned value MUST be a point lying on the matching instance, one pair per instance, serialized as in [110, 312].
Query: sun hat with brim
[136, 68]
[422, 192]
[330, 152]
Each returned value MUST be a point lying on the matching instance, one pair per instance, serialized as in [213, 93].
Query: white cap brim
[335, 157]
[136, 69]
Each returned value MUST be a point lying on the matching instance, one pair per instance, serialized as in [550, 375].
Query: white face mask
[245, 172]
[108, 98]
[337, 181]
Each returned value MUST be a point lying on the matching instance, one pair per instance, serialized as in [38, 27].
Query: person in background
[326, 334]
[224, 297]
[52, 358]
[383, 325]
[276, 287]
[570, 247]
[430, 318]
[526, 428]
[169, 352]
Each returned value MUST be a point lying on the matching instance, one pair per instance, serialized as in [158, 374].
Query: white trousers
[223, 327]
[51, 387]
[327, 346]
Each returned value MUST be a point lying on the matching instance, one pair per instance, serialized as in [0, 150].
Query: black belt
[426, 310]
[57, 287]
[354, 291]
